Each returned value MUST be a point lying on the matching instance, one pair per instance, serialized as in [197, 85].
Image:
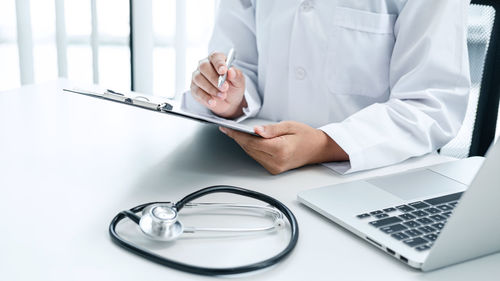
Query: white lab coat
[386, 79]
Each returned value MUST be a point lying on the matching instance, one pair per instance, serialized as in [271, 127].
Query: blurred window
[112, 55]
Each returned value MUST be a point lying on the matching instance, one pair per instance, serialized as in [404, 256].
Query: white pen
[229, 62]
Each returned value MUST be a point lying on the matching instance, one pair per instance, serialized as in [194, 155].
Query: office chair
[478, 130]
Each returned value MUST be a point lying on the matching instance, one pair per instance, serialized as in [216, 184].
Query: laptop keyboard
[417, 224]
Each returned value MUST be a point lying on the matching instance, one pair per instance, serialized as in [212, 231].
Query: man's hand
[288, 145]
[228, 100]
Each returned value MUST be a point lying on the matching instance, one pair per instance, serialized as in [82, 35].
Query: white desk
[69, 163]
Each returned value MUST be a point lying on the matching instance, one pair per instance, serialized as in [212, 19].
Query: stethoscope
[159, 221]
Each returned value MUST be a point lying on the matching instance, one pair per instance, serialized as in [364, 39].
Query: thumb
[236, 77]
[274, 130]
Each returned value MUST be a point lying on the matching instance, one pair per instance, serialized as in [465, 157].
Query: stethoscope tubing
[294, 233]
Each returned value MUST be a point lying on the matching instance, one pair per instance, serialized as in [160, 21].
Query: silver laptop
[427, 218]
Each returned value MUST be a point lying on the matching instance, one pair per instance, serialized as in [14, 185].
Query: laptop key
[431, 237]
[363, 216]
[446, 214]
[385, 221]
[404, 208]
[407, 216]
[413, 232]
[438, 217]
[376, 212]
[400, 236]
[411, 224]
[380, 216]
[438, 225]
[422, 248]
[432, 210]
[425, 220]
[415, 241]
[445, 207]
[444, 199]
[426, 229]
[388, 210]
[453, 203]
[393, 228]
[419, 205]
[420, 213]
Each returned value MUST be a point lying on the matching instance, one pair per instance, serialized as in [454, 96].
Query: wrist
[329, 150]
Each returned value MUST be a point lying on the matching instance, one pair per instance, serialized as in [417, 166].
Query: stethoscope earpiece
[160, 222]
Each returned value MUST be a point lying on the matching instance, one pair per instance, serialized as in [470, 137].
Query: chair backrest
[479, 127]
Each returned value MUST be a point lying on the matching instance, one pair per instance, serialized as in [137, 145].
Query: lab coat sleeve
[429, 84]
[235, 27]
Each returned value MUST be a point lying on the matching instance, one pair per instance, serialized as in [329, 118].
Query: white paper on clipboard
[163, 105]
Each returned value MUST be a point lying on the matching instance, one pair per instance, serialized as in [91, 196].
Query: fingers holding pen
[227, 100]
[218, 61]
[202, 96]
[236, 78]
[207, 70]
[205, 84]
[215, 103]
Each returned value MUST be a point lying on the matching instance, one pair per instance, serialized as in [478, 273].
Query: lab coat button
[307, 6]
[300, 73]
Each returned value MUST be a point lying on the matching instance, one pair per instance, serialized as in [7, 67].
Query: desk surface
[69, 163]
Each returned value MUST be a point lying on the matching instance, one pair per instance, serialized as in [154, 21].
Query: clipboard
[162, 105]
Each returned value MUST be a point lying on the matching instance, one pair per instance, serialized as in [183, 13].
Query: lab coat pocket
[359, 52]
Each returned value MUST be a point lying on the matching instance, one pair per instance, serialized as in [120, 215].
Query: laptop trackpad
[417, 184]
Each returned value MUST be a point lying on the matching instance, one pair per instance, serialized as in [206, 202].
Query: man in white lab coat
[372, 82]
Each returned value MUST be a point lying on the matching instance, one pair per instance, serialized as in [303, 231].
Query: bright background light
[114, 52]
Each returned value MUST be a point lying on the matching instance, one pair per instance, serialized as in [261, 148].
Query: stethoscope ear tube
[294, 233]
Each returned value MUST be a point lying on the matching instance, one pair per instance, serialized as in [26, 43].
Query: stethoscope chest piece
[160, 222]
